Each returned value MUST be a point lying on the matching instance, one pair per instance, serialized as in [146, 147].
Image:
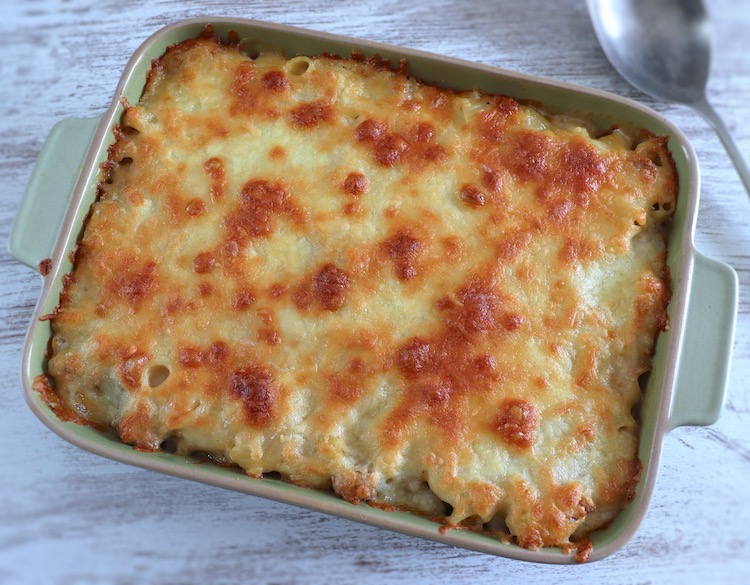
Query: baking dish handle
[703, 371]
[48, 192]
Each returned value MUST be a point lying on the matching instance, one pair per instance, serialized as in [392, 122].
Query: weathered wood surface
[67, 516]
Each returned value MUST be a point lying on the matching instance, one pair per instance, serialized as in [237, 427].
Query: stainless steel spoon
[663, 48]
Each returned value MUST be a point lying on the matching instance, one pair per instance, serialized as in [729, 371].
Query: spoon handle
[715, 120]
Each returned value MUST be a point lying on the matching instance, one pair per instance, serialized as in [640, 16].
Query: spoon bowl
[663, 48]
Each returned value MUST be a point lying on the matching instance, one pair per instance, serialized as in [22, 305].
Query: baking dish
[676, 392]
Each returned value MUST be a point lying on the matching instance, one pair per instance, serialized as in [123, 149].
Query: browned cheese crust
[422, 298]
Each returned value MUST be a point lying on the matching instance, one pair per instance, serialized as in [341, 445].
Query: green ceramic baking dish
[688, 380]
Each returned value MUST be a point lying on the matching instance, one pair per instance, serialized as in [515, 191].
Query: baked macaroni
[439, 301]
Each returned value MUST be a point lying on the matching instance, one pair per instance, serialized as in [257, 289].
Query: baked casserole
[322, 268]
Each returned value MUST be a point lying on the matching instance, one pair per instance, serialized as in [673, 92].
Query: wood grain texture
[67, 516]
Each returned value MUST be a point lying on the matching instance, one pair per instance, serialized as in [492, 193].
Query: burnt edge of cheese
[385, 324]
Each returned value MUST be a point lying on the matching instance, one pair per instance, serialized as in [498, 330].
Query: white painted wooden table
[67, 516]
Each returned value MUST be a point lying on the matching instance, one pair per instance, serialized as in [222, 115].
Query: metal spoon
[663, 48]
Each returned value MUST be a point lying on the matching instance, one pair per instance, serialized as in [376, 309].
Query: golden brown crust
[415, 297]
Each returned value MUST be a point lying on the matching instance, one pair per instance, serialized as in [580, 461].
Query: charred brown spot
[416, 356]
[403, 248]
[191, 357]
[329, 287]
[173, 306]
[260, 199]
[133, 284]
[494, 120]
[389, 149]
[196, 357]
[492, 180]
[345, 388]
[266, 315]
[516, 423]
[218, 351]
[485, 364]
[529, 151]
[244, 299]
[214, 169]
[195, 207]
[254, 387]
[277, 290]
[275, 81]
[559, 210]
[431, 153]
[269, 335]
[582, 168]
[355, 184]
[432, 393]
[477, 311]
[411, 105]
[369, 131]
[277, 153]
[351, 209]
[311, 114]
[422, 132]
[263, 194]
[303, 296]
[471, 196]
[445, 304]
[204, 262]
[326, 288]
[357, 365]
[513, 322]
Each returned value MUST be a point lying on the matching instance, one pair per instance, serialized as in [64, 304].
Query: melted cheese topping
[326, 269]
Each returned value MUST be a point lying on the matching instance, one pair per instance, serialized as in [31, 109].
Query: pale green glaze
[687, 384]
[49, 190]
